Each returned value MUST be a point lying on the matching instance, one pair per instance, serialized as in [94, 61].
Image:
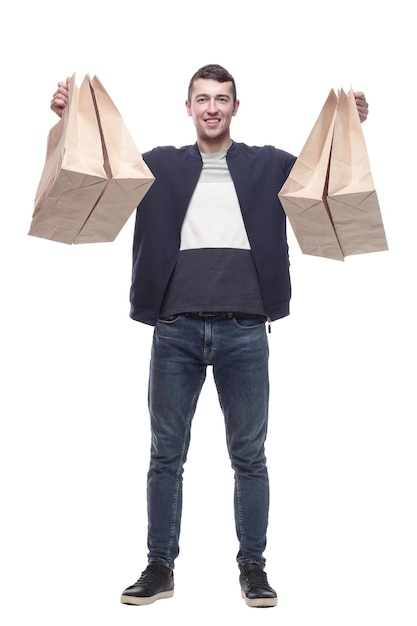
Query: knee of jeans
[249, 464]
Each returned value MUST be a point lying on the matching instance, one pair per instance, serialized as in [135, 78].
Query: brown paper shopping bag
[73, 177]
[329, 197]
[351, 195]
[303, 195]
[94, 175]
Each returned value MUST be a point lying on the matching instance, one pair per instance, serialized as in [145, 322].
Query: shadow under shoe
[155, 583]
[255, 588]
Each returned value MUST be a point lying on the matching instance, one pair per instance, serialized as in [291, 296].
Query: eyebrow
[206, 95]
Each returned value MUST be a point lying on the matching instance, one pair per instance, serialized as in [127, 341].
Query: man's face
[212, 109]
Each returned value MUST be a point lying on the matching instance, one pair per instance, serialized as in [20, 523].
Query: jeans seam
[242, 536]
[174, 509]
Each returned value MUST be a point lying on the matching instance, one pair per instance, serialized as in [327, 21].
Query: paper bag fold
[351, 194]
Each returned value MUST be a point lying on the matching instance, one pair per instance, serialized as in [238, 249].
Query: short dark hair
[215, 72]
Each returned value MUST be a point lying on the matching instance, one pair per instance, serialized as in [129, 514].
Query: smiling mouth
[212, 121]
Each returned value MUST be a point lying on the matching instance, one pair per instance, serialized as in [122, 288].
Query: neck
[211, 146]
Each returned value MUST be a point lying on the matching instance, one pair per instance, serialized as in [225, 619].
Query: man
[210, 269]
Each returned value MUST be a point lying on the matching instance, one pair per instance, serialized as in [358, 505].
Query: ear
[188, 107]
[236, 107]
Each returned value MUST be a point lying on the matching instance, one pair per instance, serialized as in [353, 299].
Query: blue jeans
[237, 349]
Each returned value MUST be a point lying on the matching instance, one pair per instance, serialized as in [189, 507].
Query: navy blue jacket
[258, 174]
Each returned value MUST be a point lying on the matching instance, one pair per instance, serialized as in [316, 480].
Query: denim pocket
[251, 321]
[169, 319]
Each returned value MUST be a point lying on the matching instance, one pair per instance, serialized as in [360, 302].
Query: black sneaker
[255, 587]
[155, 583]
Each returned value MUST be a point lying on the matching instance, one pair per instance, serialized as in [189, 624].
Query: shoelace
[148, 576]
[256, 579]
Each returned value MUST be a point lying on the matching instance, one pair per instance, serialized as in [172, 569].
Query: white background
[74, 427]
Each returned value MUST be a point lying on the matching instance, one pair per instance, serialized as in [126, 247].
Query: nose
[212, 106]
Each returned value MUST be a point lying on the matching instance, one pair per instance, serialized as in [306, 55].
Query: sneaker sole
[137, 601]
[260, 602]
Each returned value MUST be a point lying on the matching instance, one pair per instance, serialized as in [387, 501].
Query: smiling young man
[212, 105]
[210, 267]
